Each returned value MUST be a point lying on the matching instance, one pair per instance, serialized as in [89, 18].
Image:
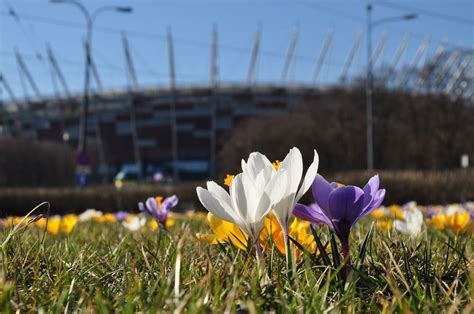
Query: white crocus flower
[412, 224]
[454, 208]
[134, 223]
[251, 195]
[293, 166]
[89, 214]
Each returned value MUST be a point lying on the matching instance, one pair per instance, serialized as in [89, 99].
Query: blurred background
[104, 103]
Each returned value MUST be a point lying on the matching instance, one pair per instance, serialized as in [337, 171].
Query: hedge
[425, 187]
[25, 162]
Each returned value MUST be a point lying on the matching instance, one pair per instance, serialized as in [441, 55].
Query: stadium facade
[112, 117]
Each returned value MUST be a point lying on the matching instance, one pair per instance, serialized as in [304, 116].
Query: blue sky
[62, 26]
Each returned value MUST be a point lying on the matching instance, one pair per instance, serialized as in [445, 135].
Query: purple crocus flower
[121, 216]
[431, 212]
[157, 209]
[340, 207]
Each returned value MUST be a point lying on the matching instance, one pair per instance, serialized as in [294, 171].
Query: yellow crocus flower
[379, 213]
[16, 220]
[41, 223]
[397, 212]
[298, 231]
[385, 224]
[170, 221]
[438, 221]
[223, 232]
[457, 221]
[195, 215]
[153, 225]
[67, 223]
[105, 218]
[53, 225]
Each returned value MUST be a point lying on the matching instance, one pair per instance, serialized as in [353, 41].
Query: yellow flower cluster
[57, 224]
[66, 224]
[456, 221]
[106, 218]
[226, 232]
[386, 215]
[452, 217]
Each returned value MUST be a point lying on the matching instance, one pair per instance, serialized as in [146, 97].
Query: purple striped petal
[346, 203]
[165, 208]
[321, 190]
[312, 213]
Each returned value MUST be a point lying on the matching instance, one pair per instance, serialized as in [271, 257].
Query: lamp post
[370, 81]
[90, 18]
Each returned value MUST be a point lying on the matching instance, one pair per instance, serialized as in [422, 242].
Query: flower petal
[215, 205]
[220, 193]
[170, 202]
[373, 205]
[255, 163]
[370, 189]
[309, 177]
[277, 186]
[152, 206]
[346, 203]
[265, 175]
[321, 190]
[293, 164]
[311, 213]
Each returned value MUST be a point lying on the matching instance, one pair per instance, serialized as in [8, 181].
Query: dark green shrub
[31, 163]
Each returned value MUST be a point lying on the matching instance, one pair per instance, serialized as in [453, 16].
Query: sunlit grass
[105, 267]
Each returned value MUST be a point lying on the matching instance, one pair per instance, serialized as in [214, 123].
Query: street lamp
[90, 18]
[370, 81]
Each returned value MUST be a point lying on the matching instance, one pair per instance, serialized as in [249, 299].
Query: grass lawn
[105, 267]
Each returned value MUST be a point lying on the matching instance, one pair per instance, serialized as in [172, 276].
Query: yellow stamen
[228, 179]
[276, 164]
[159, 200]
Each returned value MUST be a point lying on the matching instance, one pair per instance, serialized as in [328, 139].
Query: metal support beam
[379, 49]
[95, 73]
[396, 58]
[466, 84]
[458, 73]
[253, 58]
[29, 77]
[133, 87]
[174, 129]
[132, 76]
[443, 71]
[10, 92]
[350, 57]
[57, 70]
[322, 57]
[420, 54]
[429, 68]
[214, 103]
[289, 55]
